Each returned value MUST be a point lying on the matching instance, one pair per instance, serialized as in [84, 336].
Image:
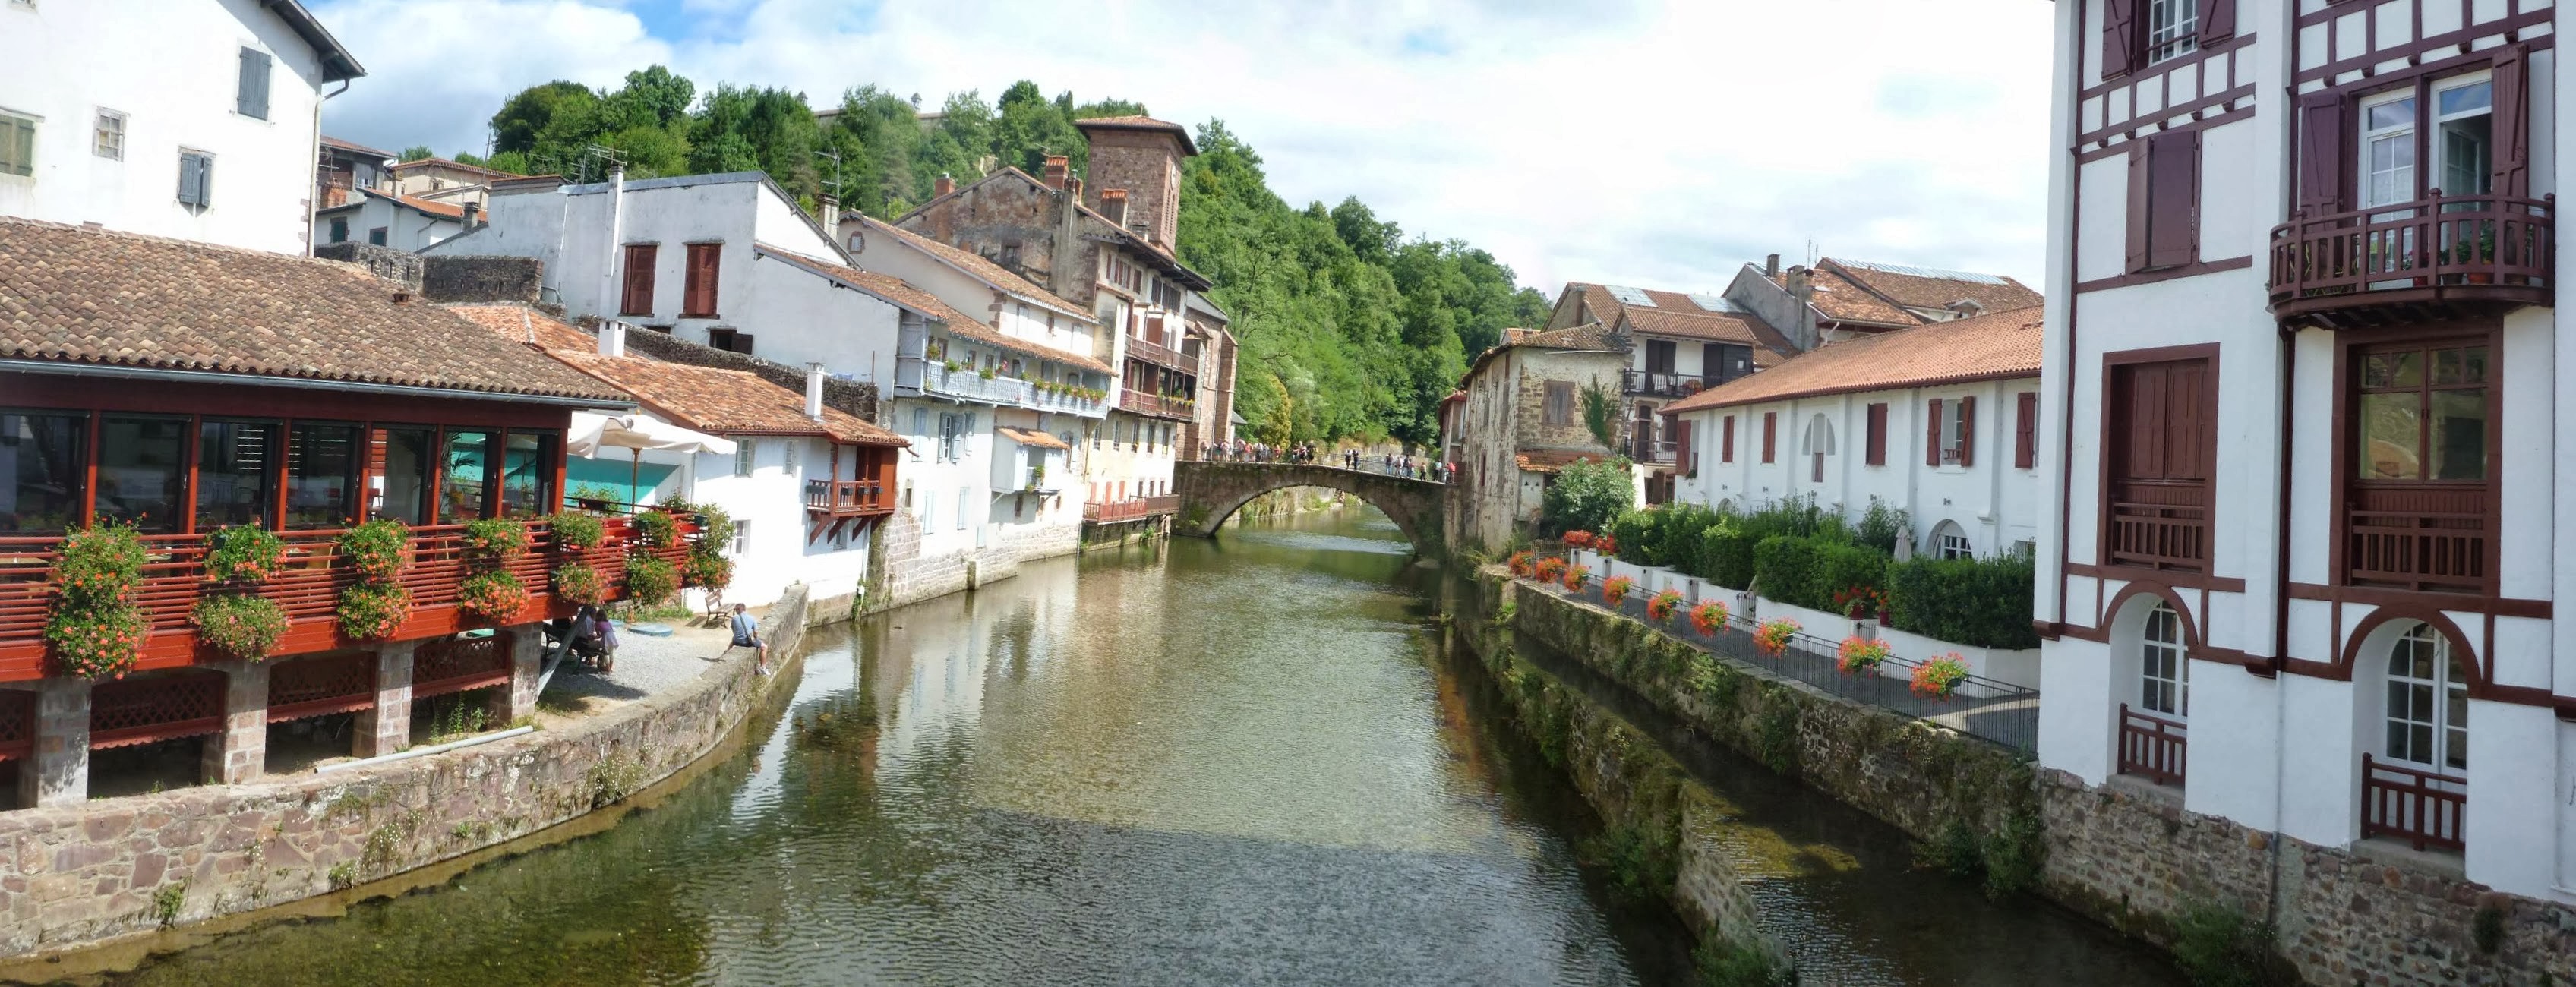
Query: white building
[193, 119]
[2304, 507]
[1940, 421]
[388, 220]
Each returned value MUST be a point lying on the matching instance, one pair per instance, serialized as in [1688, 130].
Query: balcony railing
[972, 385]
[844, 498]
[1072, 404]
[1131, 509]
[2159, 526]
[1143, 403]
[2427, 537]
[1160, 355]
[2420, 807]
[2151, 746]
[308, 587]
[2415, 260]
[1663, 384]
[1652, 451]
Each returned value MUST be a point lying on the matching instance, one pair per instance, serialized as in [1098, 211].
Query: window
[787, 456]
[1954, 545]
[1560, 403]
[17, 144]
[2164, 201]
[322, 475]
[949, 434]
[2465, 135]
[1726, 440]
[42, 459]
[962, 494]
[108, 140]
[746, 455]
[462, 474]
[741, 537]
[376, 236]
[142, 472]
[251, 100]
[339, 229]
[234, 460]
[2138, 33]
[403, 492]
[1879, 437]
[1819, 444]
[2421, 415]
[2025, 430]
[1950, 432]
[2160, 427]
[197, 179]
[637, 298]
[2173, 29]
[921, 424]
[729, 340]
[527, 474]
[2428, 702]
[698, 294]
[1770, 432]
[2164, 678]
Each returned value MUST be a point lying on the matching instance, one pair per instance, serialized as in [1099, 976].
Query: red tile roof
[959, 324]
[1552, 460]
[976, 265]
[1677, 314]
[1839, 299]
[1933, 288]
[95, 297]
[1140, 123]
[355, 147]
[1987, 347]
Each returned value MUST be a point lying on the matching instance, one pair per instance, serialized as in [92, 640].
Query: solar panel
[1712, 303]
[1630, 296]
[1912, 271]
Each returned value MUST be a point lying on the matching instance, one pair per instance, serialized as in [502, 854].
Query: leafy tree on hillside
[417, 152]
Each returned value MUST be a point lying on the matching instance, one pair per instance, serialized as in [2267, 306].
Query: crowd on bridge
[1308, 454]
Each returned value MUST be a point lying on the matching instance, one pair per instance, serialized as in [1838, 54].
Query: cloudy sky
[1621, 141]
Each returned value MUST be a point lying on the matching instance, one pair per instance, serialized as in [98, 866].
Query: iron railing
[1663, 383]
[972, 385]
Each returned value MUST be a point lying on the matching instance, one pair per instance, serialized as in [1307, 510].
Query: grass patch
[2217, 946]
[167, 902]
[1643, 861]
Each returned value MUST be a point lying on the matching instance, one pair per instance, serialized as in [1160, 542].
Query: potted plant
[1549, 569]
[650, 580]
[372, 611]
[1660, 607]
[494, 595]
[576, 532]
[1615, 589]
[376, 605]
[1938, 678]
[1860, 655]
[245, 625]
[1578, 539]
[242, 553]
[1773, 636]
[493, 541]
[1521, 562]
[1575, 577]
[580, 583]
[1862, 603]
[1708, 617]
[95, 629]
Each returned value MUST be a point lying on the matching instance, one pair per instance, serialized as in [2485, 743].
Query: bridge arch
[1211, 492]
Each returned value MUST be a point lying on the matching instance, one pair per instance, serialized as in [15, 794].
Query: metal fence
[1988, 709]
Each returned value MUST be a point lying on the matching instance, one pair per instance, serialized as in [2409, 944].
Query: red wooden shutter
[2512, 83]
[1687, 457]
[638, 298]
[1877, 435]
[1968, 431]
[2025, 429]
[2321, 159]
[2173, 198]
[2189, 409]
[2139, 208]
[1932, 434]
[2120, 40]
[2217, 21]
[1726, 441]
[698, 296]
[1770, 435]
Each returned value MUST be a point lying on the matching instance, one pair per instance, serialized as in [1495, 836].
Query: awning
[1032, 437]
[593, 432]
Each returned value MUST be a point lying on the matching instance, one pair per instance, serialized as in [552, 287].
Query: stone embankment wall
[81, 875]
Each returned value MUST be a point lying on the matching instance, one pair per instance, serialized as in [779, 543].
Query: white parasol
[593, 432]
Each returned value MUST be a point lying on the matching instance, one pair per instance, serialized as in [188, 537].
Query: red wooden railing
[1160, 355]
[1130, 509]
[2465, 246]
[2421, 807]
[842, 497]
[130, 711]
[322, 685]
[2418, 537]
[2159, 525]
[308, 587]
[2151, 746]
[1149, 404]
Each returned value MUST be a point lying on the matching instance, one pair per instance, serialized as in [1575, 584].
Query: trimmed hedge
[1666, 535]
[1807, 572]
[1981, 603]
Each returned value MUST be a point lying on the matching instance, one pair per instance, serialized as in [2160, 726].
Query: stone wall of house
[110, 868]
[1043, 236]
[399, 266]
[856, 397]
[1578, 369]
[1146, 163]
[464, 280]
[905, 575]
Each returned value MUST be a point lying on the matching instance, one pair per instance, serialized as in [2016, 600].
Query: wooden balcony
[1131, 509]
[2425, 536]
[2435, 258]
[846, 498]
[1173, 407]
[1663, 384]
[1160, 355]
[2420, 807]
[2151, 747]
[2158, 526]
[1651, 451]
[308, 587]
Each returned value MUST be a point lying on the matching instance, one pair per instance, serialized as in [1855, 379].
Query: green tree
[1587, 496]
[417, 152]
[528, 114]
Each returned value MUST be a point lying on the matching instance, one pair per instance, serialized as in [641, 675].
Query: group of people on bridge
[1308, 454]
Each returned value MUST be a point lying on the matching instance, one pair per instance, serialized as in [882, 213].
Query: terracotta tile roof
[1141, 123]
[1679, 314]
[1032, 437]
[1589, 336]
[961, 325]
[448, 210]
[2005, 344]
[355, 147]
[1923, 287]
[975, 264]
[709, 399]
[1552, 460]
[1840, 300]
[89, 296]
[400, 166]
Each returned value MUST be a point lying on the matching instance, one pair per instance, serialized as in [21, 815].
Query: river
[1213, 762]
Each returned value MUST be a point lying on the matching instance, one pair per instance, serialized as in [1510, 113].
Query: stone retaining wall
[79, 875]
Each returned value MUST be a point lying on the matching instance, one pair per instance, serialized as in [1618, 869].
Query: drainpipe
[313, 179]
[616, 234]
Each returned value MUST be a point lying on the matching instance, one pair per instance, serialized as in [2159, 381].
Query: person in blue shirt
[746, 634]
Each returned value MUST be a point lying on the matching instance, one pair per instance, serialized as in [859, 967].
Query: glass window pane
[42, 461]
[2390, 431]
[321, 476]
[2460, 434]
[142, 471]
[2393, 370]
[402, 485]
[461, 475]
[234, 463]
[2462, 99]
[2466, 146]
[527, 475]
[2394, 113]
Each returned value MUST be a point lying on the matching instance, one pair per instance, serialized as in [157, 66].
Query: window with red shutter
[1687, 456]
[698, 297]
[1726, 440]
[2025, 429]
[1967, 431]
[2321, 164]
[2164, 201]
[1877, 446]
[638, 296]
[1770, 433]
[2160, 419]
[2217, 21]
[2121, 44]
[1932, 433]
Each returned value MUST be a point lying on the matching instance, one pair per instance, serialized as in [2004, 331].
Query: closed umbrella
[592, 432]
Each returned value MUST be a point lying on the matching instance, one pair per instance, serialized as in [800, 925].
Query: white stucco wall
[405, 228]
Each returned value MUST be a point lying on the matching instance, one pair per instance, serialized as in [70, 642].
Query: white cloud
[1649, 143]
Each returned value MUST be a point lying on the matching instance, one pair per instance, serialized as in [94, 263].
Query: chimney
[612, 339]
[943, 186]
[1771, 266]
[1056, 166]
[814, 391]
[473, 214]
[1113, 204]
[1803, 288]
[828, 210]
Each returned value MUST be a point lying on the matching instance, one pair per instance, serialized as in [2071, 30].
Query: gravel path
[646, 665]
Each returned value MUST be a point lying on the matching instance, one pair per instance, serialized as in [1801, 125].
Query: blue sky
[1624, 141]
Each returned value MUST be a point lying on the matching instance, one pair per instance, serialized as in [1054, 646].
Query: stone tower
[1141, 157]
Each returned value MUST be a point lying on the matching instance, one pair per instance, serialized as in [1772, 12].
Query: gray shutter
[205, 179]
[253, 98]
[192, 179]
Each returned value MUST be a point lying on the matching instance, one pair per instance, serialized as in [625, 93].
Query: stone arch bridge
[1211, 492]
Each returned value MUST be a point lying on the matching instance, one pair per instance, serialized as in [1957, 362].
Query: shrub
[1860, 602]
[1521, 562]
[94, 631]
[657, 528]
[1549, 569]
[100, 564]
[1661, 607]
[1575, 576]
[576, 532]
[495, 596]
[706, 568]
[243, 553]
[1810, 571]
[1773, 636]
[245, 625]
[1978, 603]
[1634, 529]
[371, 611]
[1726, 553]
[1784, 569]
[2217, 946]
[650, 580]
[1880, 526]
[1708, 617]
[1937, 678]
[1860, 656]
[375, 548]
[495, 541]
[97, 641]
[580, 583]
[1587, 495]
[1678, 529]
[1845, 568]
[1615, 589]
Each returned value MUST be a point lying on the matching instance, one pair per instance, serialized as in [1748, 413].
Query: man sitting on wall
[746, 634]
